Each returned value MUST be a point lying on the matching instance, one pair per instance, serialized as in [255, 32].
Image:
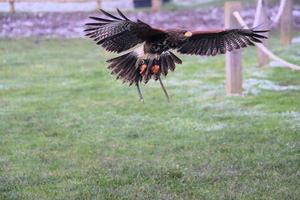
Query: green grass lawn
[69, 130]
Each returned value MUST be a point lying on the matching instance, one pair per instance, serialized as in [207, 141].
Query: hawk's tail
[132, 69]
[125, 67]
[168, 60]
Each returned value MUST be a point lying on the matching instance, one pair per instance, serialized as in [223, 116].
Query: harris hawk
[149, 50]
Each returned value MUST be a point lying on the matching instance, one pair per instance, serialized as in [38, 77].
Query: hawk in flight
[149, 50]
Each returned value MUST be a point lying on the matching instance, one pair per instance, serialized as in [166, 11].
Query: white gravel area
[66, 7]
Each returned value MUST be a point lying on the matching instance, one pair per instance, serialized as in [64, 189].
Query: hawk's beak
[188, 34]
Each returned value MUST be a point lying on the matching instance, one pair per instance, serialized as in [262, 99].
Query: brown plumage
[154, 57]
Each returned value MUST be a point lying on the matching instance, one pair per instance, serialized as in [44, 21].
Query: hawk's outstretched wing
[218, 42]
[118, 34]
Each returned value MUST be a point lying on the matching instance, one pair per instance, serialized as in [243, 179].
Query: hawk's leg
[164, 89]
[149, 66]
[139, 91]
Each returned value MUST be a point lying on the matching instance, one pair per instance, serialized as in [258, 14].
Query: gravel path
[71, 24]
[66, 6]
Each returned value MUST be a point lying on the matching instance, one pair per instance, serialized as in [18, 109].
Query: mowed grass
[69, 130]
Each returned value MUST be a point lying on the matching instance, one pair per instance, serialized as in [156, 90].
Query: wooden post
[156, 5]
[234, 70]
[98, 2]
[286, 23]
[11, 6]
[262, 19]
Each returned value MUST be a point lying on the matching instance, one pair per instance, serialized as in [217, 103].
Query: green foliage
[70, 131]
